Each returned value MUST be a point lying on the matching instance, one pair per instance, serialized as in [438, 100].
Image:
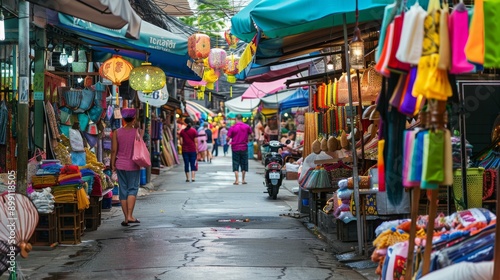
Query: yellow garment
[82, 199]
[474, 49]
[247, 56]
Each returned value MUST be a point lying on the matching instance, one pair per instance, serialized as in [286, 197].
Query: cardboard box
[292, 175]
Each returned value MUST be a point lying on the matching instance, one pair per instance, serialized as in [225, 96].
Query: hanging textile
[412, 35]
[491, 38]
[389, 14]
[459, 32]
[474, 48]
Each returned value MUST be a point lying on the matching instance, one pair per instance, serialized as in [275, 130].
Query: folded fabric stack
[44, 200]
[70, 180]
[47, 174]
[64, 194]
[43, 181]
[88, 177]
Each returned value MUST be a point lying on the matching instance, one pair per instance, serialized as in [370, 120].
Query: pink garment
[239, 136]
[125, 138]
[202, 141]
[458, 25]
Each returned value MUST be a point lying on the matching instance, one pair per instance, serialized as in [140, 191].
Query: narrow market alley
[208, 229]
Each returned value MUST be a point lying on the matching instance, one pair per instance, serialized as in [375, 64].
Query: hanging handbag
[73, 98]
[87, 100]
[412, 35]
[371, 84]
[84, 121]
[459, 29]
[491, 38]
[474, 48]
[394, 64]
[141, 154]
[95, 112]
[444, 40]
[65, 115]
[411, 104]
[76, 140]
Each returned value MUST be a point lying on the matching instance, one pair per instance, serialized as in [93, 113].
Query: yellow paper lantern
[116, 69]
[147, 78]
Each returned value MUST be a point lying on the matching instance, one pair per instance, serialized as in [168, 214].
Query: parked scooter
[273, 163]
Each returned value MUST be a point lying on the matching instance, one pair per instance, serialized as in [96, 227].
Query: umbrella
[300, 98]
[236, 105]
[198, 111]
[259, 90]
[107, 13]
[300, 16]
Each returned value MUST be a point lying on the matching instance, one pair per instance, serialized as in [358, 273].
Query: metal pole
[463, 146]
[22, 106]
[359, 226]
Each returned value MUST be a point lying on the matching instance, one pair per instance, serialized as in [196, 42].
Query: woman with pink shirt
[127, 170]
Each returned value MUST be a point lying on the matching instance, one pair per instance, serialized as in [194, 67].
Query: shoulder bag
[141, 155]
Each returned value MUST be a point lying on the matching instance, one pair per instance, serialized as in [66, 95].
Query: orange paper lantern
[116, 69]
[198, 46]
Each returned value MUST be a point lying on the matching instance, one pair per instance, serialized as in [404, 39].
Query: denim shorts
[128, 182]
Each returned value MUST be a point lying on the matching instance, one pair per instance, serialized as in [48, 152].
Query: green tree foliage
[211, 16]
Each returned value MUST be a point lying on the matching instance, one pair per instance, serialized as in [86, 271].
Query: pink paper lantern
[217, 58]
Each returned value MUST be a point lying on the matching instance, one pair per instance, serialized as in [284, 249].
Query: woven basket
[338, 174]
[371, 85]
[343, 89]
[474, 188]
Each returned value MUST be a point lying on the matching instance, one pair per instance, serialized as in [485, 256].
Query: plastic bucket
[305, 202]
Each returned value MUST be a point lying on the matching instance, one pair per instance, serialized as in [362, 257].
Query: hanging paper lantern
[231, 40]
[210, 76]
[147, 78]
[198, 46]
[116, 69]
[231, 68]
[217, 58]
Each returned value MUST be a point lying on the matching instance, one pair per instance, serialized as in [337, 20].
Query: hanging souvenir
[407, 158]
[444, 40]
[343, 89]
[371, 84]
[412, 35]
[491, 38]
[459, 32]
[381, 65]
[474, 48]
[394, 64]
[389, 13]
[433, 159]
[411, 105]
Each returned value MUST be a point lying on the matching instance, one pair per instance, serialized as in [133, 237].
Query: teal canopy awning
[278, 19]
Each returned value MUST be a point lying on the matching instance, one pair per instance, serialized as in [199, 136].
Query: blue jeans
[226, 148]
[215, 150]
[129, 183]
[189, 161]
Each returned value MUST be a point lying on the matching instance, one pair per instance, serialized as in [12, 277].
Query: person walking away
[188, 138]
[128, 172]
[223, 139]
[239, 134]
[259, 135]
[202, 144]
[210, 143]
[215, 137]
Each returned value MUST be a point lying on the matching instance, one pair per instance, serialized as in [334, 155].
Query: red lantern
[198, 46]
[217, 58]
[116, 69]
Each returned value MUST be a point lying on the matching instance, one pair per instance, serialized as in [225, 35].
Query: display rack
[45, 233]
[93, 214]
[70, 223]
